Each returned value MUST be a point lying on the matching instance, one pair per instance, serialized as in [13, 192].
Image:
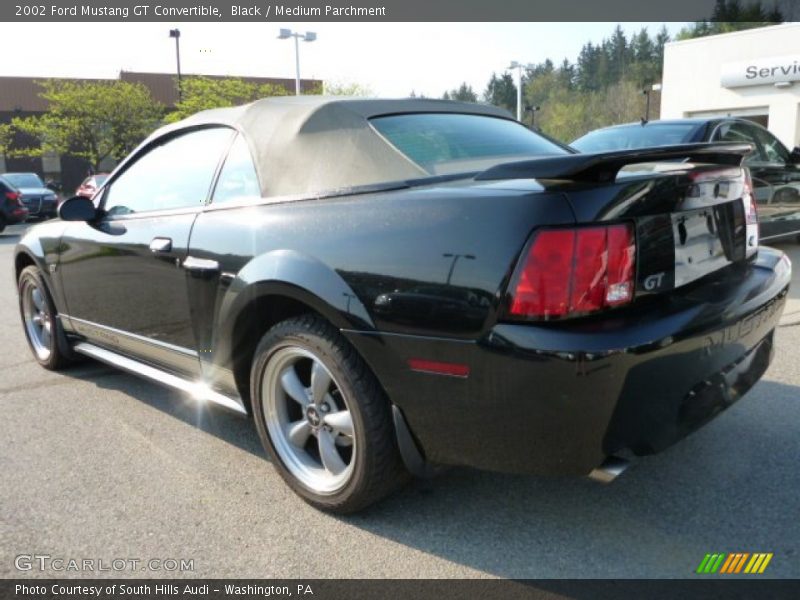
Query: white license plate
[698, 249]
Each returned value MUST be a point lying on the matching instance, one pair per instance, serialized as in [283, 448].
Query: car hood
[36, 191]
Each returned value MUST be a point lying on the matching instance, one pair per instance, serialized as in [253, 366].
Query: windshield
[6, 183]
[635, 136]
[24, 180]
[443, 143]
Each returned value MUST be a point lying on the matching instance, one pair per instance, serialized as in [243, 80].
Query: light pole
[533, 110]
[308, 36]
[656, 87]
[519, 66]
[176, 33]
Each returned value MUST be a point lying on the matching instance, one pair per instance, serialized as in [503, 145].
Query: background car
[41, 202]
[775, 170]
[11, 209]
[89, 186]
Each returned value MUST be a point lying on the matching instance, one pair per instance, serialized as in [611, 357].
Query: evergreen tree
[566, 75]
[605, 84]
[501, 91]
[732, 15]
[617, 55]
[464, 93]
[661, 39]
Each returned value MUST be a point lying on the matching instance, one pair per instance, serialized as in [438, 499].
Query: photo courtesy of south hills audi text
[254, 11]
[182, 590]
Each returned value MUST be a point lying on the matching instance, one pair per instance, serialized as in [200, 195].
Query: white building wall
[691, 85]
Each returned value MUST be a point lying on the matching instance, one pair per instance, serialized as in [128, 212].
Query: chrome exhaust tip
[612, 467]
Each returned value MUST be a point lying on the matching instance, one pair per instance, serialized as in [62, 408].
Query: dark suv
[11, 209]
[41, 201]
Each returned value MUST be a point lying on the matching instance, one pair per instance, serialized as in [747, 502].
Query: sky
[391, 59]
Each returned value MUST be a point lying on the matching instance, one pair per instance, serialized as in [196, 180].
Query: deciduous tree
[6, 135]
[203, 93]
[347, 88]
[93, 120]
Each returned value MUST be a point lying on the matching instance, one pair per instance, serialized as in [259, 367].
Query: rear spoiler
[603, 167]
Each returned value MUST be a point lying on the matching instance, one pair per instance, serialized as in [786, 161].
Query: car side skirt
[181, 360]
[196, 389]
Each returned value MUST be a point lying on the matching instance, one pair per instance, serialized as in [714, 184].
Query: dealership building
[753, 74]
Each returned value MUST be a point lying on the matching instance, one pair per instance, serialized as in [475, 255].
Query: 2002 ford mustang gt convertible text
[391, 285]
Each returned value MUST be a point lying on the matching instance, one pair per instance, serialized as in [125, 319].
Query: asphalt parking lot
[99, 464]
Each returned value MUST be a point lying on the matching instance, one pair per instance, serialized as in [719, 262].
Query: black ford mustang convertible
[387, 286]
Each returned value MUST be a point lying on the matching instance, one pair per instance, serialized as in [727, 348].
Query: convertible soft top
[317, 144]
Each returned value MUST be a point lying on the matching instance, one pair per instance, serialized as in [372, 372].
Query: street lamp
[519, 66]
[308, 36]
[656, 87]
[176, 33]
[533, 110]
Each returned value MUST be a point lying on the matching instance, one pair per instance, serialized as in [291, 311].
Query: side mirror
[77, 208]
[794, 157]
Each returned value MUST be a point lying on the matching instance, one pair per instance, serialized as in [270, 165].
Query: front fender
[40, 245]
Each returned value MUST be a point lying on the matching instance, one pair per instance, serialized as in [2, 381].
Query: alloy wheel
[38, 320]
[308, 419]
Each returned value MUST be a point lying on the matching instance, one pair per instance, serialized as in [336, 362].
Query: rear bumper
[558, 398]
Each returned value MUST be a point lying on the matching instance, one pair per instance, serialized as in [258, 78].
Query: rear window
[444, 143]
[635, 136]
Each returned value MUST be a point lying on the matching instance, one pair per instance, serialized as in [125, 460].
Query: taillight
[749, 198]
[751, 215]
[13, 196]
[568, 272]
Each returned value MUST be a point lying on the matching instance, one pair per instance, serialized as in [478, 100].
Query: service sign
[761, 71]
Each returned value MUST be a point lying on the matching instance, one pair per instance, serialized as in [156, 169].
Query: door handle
[201, 265]
[160, 244]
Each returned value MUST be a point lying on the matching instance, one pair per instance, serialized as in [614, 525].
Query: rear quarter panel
[390, 243]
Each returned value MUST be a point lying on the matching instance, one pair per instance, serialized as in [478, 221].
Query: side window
[238, 178]
[774, 151]
[176, 174]
[739, 132]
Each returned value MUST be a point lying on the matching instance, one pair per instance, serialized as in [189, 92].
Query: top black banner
[355, 10]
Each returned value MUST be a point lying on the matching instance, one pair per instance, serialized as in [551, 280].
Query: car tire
[323, 418]
[40, 321]
[2, 223]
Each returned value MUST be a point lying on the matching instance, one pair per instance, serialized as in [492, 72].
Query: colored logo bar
[734, 562]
